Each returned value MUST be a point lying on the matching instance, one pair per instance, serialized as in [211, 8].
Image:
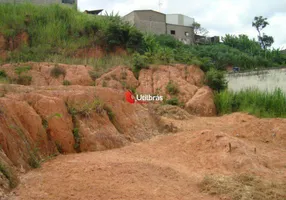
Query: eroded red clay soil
[129, 151]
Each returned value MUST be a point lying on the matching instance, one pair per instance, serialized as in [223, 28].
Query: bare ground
[166, 167]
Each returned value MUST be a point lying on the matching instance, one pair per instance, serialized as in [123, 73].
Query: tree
[198, 30]
[267, 40]
[260, 23]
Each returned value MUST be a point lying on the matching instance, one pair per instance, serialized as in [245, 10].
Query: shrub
[3, 77]
[172, 88]
[24, 80]
[22, 69]
[3, 74]
[215, 79]
[66, 82]
[168, 41]
[85, 109]
[173, 101]
[34, 162]
[57, 71]
[94, 75]
[139, 62]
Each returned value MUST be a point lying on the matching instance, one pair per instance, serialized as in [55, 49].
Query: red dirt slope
[166, 167]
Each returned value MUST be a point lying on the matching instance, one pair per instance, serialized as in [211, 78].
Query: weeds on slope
[239, 187]
[13, 181]
[253, 101]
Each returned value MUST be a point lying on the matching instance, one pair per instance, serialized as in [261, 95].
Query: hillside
[68, 132]
[61, 34]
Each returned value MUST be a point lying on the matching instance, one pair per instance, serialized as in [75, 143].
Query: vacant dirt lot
[168, 166]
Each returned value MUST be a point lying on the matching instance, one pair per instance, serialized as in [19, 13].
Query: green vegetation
[57, 71]
[59, 147]
[253, 101]
[260, 23]
[3, 74]
[24, 80]
[3, 77]
[215, 79]
[173, 101]
[59, 29]
[57, 32]
[13, 181]
[33, 159]
[66, 82]
[239, 187]
[109, 112]
[77, 139]
[85, 109]
[139, 62]
[172, 88]
[22, 69]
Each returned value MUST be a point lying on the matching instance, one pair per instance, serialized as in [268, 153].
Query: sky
[219, 17]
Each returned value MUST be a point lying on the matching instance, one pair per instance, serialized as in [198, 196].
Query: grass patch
[173, 101]
[241, 187]
[13, 181]
[33, 159]
[22, 69]
[255, 102]
[66, 83]
[85, 109]
[58, 71]
[77, 139]
[109, 112]
[94, 75]
[172, 88]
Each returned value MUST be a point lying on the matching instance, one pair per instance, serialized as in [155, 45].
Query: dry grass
[243, 187]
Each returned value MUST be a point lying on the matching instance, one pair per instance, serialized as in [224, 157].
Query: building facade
[149, 21]
[42, 2]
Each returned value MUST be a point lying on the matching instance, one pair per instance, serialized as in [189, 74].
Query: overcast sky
[218, 16]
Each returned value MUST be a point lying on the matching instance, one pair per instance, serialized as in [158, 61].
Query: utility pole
[160, 4]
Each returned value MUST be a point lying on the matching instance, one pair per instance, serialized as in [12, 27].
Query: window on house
[187, 34]
[173, 32]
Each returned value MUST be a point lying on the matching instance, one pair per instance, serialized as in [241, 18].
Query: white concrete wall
[178, 19]
[188, 21]
[172, 19]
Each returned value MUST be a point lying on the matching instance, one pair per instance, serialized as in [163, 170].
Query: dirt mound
[165, 167]
[186, 80]
[118, 78]
[202, 103]
[173, 112]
